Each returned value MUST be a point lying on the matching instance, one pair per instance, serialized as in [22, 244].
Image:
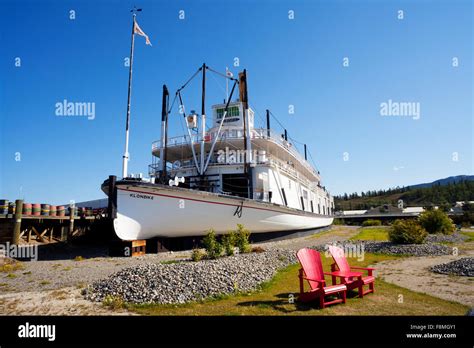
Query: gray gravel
[191, 281]
[426, 249]
[461, 267]
[443, 238]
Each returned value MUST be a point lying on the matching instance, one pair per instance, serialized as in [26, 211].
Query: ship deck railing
[269, 160]
[237, 134]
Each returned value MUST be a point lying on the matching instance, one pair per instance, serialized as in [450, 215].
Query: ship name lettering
[137, 195]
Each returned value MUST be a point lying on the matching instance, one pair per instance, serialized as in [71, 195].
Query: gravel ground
[461, 267]
[415, 273]
[443, 238]
[426, 249]
[190, 281]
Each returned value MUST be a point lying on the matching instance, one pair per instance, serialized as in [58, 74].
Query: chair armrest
[345, 276]
[368, 269]
[334, 274]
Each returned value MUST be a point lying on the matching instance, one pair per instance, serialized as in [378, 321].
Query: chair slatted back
[339, 258]
[310, 261]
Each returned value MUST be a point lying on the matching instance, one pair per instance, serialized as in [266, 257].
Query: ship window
[319, 208]
[312, 208]
[302, 202]
[233, 111]
[305, 194]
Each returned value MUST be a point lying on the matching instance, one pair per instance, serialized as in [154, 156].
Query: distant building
[458, 207]
[413, 210]
[383, 210]
[353, 212]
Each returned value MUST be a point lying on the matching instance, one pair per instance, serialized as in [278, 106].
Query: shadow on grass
[282, 303]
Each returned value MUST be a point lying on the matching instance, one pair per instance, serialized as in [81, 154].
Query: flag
[228, 72]
[139, 31]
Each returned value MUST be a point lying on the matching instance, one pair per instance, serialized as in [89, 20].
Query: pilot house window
[233, 111]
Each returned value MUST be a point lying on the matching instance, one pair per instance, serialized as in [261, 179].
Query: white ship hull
[146, 211]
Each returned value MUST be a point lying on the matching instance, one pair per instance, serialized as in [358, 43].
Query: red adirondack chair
[312, 271]
[341, 268]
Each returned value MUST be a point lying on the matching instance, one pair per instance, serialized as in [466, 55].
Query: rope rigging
[178, 97]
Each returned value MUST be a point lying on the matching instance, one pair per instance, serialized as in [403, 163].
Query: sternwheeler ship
[221, 173]
[219, 176]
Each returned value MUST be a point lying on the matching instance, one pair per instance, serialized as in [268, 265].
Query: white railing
[267, 160]
[258, 133]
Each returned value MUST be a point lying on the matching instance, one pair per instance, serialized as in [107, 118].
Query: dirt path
[66, 301]
[414, 273]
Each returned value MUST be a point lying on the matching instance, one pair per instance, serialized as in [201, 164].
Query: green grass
[274, 298]
[10, 265]
[372, 233]
[469, 234]
[333, 231]
[169, 262]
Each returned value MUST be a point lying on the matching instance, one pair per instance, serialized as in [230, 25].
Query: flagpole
[127, 126]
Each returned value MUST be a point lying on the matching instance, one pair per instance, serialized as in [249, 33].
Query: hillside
[445, 181]
[439, 193]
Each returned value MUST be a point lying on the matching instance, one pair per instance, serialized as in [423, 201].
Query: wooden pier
[20, 228]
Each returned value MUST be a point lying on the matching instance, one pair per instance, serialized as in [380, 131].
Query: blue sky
[289, 62]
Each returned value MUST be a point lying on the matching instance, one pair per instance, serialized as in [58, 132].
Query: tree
[436, 221]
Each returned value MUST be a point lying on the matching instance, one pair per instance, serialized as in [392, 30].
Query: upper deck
[265, 144]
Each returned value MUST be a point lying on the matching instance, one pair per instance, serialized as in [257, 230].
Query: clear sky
[424, 58]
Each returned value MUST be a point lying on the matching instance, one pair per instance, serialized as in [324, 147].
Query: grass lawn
[372, 233]
[334, 231]
[274, 299]
[470, 234]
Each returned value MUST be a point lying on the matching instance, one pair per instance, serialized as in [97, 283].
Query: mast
[164, 132]
[203, 116]
[127, 125]
[247, 140]
[268, 123]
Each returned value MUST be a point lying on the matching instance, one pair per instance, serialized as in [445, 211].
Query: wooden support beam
[38, 235]
[22, 233]
[17, 222]
[44, 232]
[71, 221]
[64, 232]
